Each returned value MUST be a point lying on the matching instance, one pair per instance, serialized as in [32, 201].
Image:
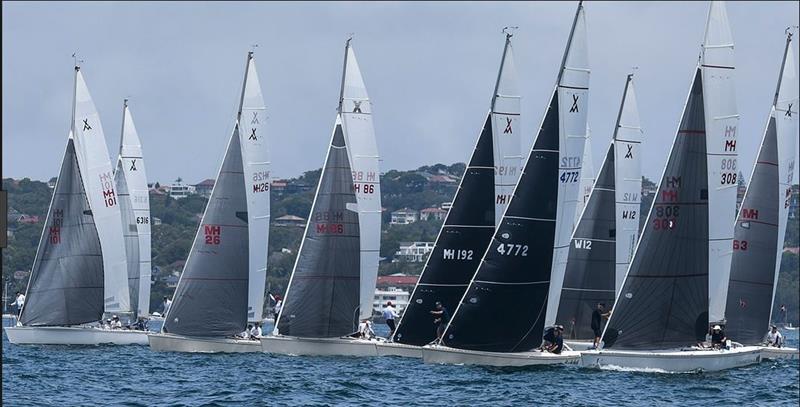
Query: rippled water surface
[133, 375]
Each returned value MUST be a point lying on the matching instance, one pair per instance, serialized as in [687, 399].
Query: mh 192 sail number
[453, 254]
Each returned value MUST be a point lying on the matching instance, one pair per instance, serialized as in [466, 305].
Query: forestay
[761, 223]
[66, 283]
[211, 297]
[480, 199]
[573, 93]
[134, 201]
[355, 111]
[98, 179]
[322, 298]
[722, 118]
[663, 302]
[256, 165]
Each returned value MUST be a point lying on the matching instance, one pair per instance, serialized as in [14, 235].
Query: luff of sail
[761, 222]
[587, 177]
[98, 180]
[663, 302]
[256, 166]
[722, 118]
[66, 282]
[573, 94]
[322, 299]
[481, 198]
[131, 180]
[355, 112]
[211, 297]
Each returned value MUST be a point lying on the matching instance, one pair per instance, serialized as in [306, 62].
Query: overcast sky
[429, 69]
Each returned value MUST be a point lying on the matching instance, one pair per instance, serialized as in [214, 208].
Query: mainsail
[721, 118]
[98, 180]
[66, 283]
[219, 287]
[761, 223]
[322, 299]
[134, 202]
[479, 202]
[572, 87]
[587, 177]
[592, 263]
[355, 112]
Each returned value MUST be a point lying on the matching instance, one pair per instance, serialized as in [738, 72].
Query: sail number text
[509, 249]
[453, 254]
[212, 234]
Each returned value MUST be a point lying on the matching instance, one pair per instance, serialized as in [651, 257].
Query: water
[133, 375]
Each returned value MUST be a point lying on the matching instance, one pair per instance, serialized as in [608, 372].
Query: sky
[429, 69]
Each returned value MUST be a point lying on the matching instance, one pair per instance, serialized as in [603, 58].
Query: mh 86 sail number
[364, 182]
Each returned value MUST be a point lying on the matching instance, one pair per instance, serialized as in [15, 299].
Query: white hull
[779, 353]
[287, 345]
[672, 361]
[161, 342]
[399, 349]
[579, 345]
[453, 356]
[68, 335]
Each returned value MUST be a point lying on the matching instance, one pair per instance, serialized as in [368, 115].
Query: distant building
[794, 202]
[156, 221]
[398, 297]
[404, 216]
[28, 219]
[443, 179]
[204, 188]
[290, 220]
[52, 182]
[400, 280]
[432, 214]
[279, 185]
[414, 252]
[446, 205]
[180, 190]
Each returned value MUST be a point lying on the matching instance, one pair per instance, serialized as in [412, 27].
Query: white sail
[587, 176]
[256, 165]
[573, 94]
[131, 164]
[356, 115]
[786, 125]
[98, 179]
[628, 177]
[722, 119]
[507, 132]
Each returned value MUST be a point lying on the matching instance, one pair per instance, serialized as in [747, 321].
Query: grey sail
[755, 245]
[591, 268]
[663, 303]
[322, 299]
[211, 297]
[130, 233]
[66, 283]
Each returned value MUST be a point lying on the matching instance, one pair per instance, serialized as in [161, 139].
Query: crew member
[440, 318]
[389, 315]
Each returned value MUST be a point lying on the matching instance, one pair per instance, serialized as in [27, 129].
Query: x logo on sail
[357, 108]
[742, 303]
[86, 125]
[574, 108]
[133, 165]
[253, 135]
[629, 154]
[789, 110]
[255, 118]
[508, 126]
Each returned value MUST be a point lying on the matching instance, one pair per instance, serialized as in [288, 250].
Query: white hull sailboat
[672, 361]
[771, 353]
[452, 356]
[74, 335]
[289, 345]
[163, 342]
[399, 349]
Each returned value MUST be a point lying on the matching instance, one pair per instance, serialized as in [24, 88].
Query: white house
[397, 296]
[414, 252]
[432, 214]
[404, 216]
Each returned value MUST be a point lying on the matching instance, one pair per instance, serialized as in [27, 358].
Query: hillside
[425, 187]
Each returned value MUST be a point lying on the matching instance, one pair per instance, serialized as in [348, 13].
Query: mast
[244, 84]
[569, 43]
[344, 74]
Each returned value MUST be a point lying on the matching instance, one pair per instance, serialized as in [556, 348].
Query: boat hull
[399, 349]
[453, 356]
[69, 335]
[779, 353]
[287, 345]
[161, 342]
[672, 361]
[579, 345]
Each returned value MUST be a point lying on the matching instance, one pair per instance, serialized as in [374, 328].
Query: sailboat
[480, 200]
[333, 281]
[515, 270]
[661, 316]
[603, 241]
[761, 222]
[134, 201]
[79, 271]
[222, 285]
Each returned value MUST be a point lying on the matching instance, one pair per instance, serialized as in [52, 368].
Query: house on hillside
[204, 188]
[404, 216]
[180, 190]
[279, 185]
[432, 214]
[794, 201]
[399, 280]
[290, 220]
[28, 219]
[446, 205]
[413, 252]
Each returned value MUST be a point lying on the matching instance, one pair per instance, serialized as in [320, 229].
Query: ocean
[135, 376]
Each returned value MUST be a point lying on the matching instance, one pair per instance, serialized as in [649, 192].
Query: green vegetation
[428, 186]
